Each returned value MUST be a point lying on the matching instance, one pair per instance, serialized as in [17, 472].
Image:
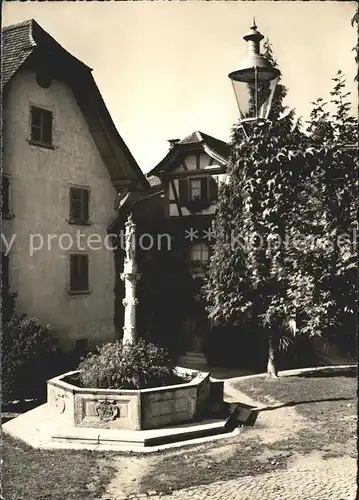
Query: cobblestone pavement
[331, 479]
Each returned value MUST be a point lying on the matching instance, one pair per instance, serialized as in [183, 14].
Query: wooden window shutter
[79, 273]
[35, 124]
[212, 189]
[5, 201]
[183, 187]
[75, 204]
[46, 127]
[5, 271]
[204, 188]
[85, 204]
[73, 274]
[84, 268]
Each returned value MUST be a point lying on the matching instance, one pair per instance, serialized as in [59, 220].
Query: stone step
[40, 429]
[193, 358]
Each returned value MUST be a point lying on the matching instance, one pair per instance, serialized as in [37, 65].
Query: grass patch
[51, 474]
[328, 403]
[305, 388]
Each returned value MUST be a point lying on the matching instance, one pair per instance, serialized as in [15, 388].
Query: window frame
[80, 221]
[202, 180]
[5, 259]
[41, 141]
[200, 262]
[6, 214]
[191, 184]
[79, 290]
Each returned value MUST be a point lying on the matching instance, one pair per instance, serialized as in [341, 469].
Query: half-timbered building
[190, 174]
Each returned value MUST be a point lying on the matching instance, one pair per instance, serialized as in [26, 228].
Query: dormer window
[197, 189]
[197, 193]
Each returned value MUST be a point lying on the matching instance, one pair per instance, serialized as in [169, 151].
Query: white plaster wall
[40, 180]
[190, 161]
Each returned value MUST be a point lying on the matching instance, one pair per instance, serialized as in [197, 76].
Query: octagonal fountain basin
[129, 409]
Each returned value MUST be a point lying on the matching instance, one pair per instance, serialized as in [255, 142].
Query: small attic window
[41, 126]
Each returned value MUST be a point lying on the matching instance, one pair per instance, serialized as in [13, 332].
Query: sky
[162, 67]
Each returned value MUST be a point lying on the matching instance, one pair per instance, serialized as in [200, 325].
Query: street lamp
[254, 81]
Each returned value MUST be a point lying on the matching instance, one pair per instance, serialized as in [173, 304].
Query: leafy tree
[278, 109]
[286, 190]
[246, 282]
[323, 286]
[354, 21]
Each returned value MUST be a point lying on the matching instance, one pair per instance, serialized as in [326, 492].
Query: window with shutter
[212, 189]
[183, 191]
[204, 188]
[79, 273]
[4, 271]
[199, 189]
[41, 126]
[5, 198]
[196, 189]
[79, 205]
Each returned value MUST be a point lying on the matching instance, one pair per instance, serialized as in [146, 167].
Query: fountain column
[130, 276]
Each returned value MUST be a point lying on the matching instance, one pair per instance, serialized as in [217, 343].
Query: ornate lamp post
[254, 81]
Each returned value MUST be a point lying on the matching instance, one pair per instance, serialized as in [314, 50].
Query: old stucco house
[64, 166]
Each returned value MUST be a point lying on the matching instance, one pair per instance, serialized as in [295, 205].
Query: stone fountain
[121, 419]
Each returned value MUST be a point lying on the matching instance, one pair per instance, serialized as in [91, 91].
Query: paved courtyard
[326, 480]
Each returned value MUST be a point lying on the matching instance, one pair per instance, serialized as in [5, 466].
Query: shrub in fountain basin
[139, 365]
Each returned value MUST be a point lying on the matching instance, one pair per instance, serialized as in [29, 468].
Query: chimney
[172, 142]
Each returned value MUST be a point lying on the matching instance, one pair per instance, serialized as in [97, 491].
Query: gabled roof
[27, 45]
[131, 201]
[197, 141]
[218, 146]
[18, 43]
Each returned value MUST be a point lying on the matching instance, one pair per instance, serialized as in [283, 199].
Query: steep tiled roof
[211, 145]
[18, 43]
[216, 145]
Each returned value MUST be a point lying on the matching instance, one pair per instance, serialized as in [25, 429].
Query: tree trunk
[272, 370]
